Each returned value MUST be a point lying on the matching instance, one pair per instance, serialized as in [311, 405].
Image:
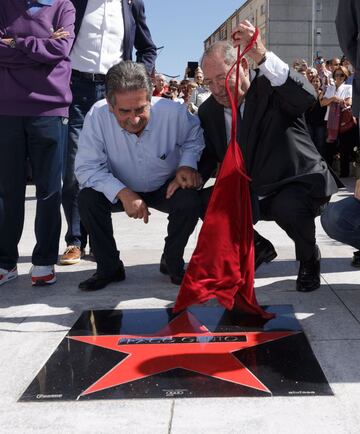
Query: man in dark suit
[290, 180]
[106, 33]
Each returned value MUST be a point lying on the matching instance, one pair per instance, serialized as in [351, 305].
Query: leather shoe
[356, 259]
[309, 273]
[96, 282]
[176, 279]
[264, 251]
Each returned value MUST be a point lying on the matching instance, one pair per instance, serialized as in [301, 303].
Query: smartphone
[191, 67]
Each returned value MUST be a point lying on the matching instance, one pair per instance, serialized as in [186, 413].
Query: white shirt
[275, 70]
[99, 43]
[109, 158]
[343, 91]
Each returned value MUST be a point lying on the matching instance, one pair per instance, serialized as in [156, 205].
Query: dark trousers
[294, 210]
[183, 210]
[85, 94]
[347, 142]
[41, 139]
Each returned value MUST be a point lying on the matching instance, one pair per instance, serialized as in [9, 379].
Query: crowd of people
[104, 133]
[332, 80]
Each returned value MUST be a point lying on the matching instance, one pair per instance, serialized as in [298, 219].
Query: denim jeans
[41, 138]
[341, 221]
[85, 94]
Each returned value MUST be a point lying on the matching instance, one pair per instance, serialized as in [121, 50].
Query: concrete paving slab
[265, 416]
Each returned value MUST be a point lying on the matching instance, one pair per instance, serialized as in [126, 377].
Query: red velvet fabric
[222, 265]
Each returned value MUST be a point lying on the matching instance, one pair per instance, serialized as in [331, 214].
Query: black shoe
[309, 273]
[264, 250]
[176, 279]
[96, 282]
[356, 259]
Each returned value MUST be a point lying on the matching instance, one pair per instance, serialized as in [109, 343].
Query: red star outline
[214, 359]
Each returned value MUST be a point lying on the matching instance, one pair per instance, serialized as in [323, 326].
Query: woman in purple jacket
[35, 41]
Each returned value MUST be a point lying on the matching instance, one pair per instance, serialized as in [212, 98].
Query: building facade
[290, 28]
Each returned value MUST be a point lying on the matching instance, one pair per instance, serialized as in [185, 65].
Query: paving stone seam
[172, 409]
[341, 301]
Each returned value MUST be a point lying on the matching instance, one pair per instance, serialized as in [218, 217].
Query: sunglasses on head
[339, 75]
[319, 61]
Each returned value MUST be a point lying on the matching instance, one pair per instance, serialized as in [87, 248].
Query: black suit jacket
[136, 32]
[274, 139]
[348, 28]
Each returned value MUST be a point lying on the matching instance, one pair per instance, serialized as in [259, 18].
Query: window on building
[318, 6]
[262, 9]
[223, 33]
[318, 31]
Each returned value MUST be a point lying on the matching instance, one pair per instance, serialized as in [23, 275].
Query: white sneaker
[6, 275]
[42, 275]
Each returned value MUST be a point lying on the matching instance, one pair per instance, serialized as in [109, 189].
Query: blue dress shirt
[109, 158]
[33, 6]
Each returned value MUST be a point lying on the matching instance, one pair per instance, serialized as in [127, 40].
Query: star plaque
[201, 352]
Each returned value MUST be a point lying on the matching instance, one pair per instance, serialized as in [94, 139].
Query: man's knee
[292, 208]
[89, 198]
[188, 201]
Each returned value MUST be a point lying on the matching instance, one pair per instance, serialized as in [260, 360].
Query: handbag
[347, 120]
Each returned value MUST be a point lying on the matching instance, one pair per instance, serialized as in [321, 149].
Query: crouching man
[135, 152]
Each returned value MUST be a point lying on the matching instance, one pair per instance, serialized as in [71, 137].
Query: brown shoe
[71, 256]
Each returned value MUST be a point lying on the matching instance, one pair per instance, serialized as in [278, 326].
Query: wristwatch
[12, 43]
[262, 60]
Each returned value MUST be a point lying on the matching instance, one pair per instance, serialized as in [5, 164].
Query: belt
[97, 78]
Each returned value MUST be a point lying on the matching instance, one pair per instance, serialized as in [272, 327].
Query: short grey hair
[225, 48]
[127, 76]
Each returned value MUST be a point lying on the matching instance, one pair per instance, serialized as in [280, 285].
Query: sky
[182, 26]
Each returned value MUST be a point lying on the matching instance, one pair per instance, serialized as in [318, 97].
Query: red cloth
[222, 265]
[333, 123]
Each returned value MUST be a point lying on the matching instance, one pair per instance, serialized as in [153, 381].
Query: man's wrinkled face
[215, 70]
[131, 110]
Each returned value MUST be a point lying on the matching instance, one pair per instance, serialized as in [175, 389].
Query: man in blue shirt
[134, 152]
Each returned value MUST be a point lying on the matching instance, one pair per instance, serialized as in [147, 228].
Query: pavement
[33, 321]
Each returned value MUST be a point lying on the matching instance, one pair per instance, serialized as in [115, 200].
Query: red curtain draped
[222, 265]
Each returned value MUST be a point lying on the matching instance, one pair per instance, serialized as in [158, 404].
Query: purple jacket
[35, 75]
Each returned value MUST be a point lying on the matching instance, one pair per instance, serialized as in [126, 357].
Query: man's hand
[242, 34]
[172, 187]
[60, 34]
[187, 177]
[357, 190]
[6, 41]
[133, 204]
